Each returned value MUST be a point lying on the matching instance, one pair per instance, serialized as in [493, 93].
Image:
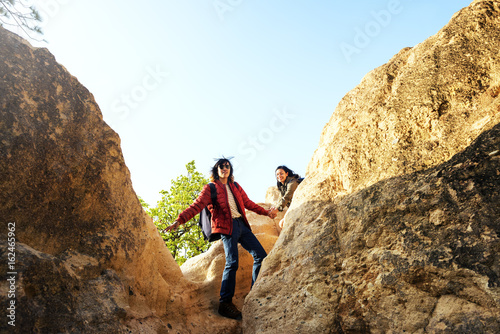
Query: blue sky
[257, 80]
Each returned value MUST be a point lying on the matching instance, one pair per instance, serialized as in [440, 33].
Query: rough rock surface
[87, 257]
[272, 195]
[415, 253]
[426, 104]
[396, 227]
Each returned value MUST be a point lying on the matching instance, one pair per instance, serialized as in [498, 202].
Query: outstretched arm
[202, 201]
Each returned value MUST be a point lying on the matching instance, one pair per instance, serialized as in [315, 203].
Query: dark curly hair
[215, 171]
[290, 172]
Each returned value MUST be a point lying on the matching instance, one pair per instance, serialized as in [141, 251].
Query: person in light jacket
[229, 219]
[287, 183]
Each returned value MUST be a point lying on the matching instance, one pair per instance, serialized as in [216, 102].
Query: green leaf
[187, 241]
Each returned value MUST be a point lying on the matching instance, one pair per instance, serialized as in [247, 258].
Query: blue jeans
[243, 235]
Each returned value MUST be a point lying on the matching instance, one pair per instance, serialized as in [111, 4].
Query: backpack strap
[213, 193]
[237, 185]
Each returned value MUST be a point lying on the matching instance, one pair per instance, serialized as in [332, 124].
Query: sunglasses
[227, 166]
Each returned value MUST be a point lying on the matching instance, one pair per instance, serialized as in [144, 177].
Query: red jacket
[221, 214]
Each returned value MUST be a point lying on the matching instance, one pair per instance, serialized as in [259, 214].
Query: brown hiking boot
[228, 310]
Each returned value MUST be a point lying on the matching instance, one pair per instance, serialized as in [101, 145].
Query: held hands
[174, 226]
[272, 213]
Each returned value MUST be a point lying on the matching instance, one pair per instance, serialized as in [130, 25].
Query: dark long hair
[287, 170]
[215, 172]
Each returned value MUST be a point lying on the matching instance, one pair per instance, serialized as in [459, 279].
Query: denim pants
[243, 235]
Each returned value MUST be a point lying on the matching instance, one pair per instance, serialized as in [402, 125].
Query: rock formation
[415, 253]
[426, 104]
[87, 258]
[84, 257]
[396, 227]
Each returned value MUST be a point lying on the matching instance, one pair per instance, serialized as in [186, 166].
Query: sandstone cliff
[412, 254]
[87, 258]
[426, 104]
[396, 227]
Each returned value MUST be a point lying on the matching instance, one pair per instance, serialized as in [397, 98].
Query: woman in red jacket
[229, 219]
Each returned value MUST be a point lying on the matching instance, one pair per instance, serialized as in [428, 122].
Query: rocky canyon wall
[416, 111]
[81, 256]
[396, 226]
[87, 258]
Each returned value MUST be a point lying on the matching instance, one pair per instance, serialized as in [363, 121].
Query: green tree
[187, 241]
[21, 14]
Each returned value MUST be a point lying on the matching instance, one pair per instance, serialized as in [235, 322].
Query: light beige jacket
[286, 192]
